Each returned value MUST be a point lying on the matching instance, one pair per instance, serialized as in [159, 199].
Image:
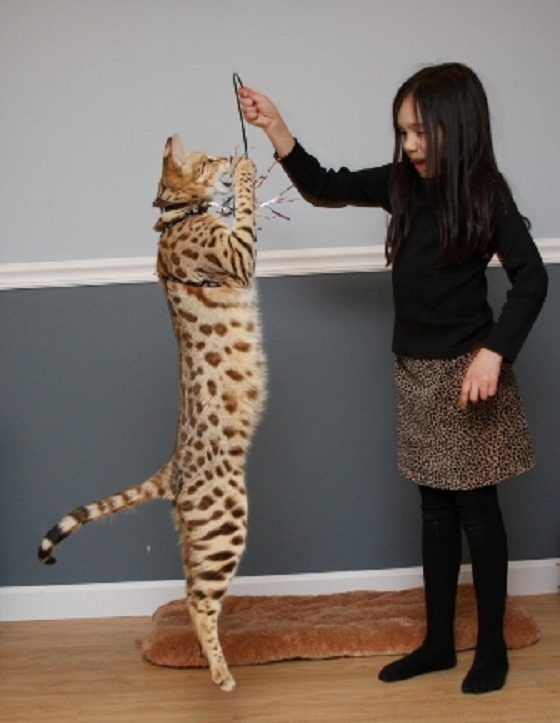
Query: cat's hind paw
[224, 680]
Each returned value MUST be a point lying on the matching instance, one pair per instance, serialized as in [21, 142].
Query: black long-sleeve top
[441, 311]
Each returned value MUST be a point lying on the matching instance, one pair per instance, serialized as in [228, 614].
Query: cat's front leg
[242, 237]
[244, 173]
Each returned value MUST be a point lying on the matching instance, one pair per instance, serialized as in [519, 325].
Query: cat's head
[189, 176]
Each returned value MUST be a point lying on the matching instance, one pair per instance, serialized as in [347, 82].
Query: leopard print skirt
[440, 444]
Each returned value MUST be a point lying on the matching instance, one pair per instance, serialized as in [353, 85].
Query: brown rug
[282, 627]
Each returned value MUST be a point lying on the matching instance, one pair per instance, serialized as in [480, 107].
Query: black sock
[488, 672]
[424, 659]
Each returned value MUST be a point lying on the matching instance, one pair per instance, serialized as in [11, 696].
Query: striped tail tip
[49, 541]
[44, 553]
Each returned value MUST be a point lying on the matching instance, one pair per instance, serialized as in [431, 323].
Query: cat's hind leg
[204, 616]
[210, 557]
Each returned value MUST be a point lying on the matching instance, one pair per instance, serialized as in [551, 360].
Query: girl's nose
[410, 142]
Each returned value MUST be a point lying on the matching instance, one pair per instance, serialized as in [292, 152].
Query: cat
[207, 273]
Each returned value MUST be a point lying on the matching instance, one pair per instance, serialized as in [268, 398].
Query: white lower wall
[98, 600]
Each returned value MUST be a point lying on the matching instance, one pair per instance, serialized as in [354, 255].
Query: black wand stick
[237, 83]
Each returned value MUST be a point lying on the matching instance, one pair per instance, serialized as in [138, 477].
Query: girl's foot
[488, 672]
[425, 659]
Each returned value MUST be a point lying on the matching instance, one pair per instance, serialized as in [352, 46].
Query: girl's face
[413, 138]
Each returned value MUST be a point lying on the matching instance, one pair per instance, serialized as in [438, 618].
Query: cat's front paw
[243, 164]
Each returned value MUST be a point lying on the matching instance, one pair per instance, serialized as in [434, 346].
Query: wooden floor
[91, 670]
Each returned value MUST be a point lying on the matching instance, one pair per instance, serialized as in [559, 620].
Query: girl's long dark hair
[463, 180]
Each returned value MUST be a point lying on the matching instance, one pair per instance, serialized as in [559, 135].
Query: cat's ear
[174, 152]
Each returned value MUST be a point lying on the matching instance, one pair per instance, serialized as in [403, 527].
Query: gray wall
[89, 406]
[91, 89]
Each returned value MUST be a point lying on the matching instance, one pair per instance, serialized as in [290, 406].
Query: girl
[461, 424]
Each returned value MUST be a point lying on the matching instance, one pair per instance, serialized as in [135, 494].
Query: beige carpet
[283, 627]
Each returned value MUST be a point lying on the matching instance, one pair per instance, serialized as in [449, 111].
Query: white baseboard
[281, 262]
[55, 602]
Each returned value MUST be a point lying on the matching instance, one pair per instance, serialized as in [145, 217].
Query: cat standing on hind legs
[207, 272]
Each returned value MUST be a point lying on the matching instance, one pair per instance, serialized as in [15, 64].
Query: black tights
[444, 513]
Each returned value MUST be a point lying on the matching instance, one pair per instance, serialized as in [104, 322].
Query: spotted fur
[207, 272]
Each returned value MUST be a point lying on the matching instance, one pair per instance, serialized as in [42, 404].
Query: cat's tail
[158, 486]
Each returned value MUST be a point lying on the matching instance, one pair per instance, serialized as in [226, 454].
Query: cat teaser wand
[226, 209]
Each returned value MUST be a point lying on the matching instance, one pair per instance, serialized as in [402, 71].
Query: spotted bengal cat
[207, 273]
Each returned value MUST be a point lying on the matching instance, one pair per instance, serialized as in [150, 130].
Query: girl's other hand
[481, 379]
